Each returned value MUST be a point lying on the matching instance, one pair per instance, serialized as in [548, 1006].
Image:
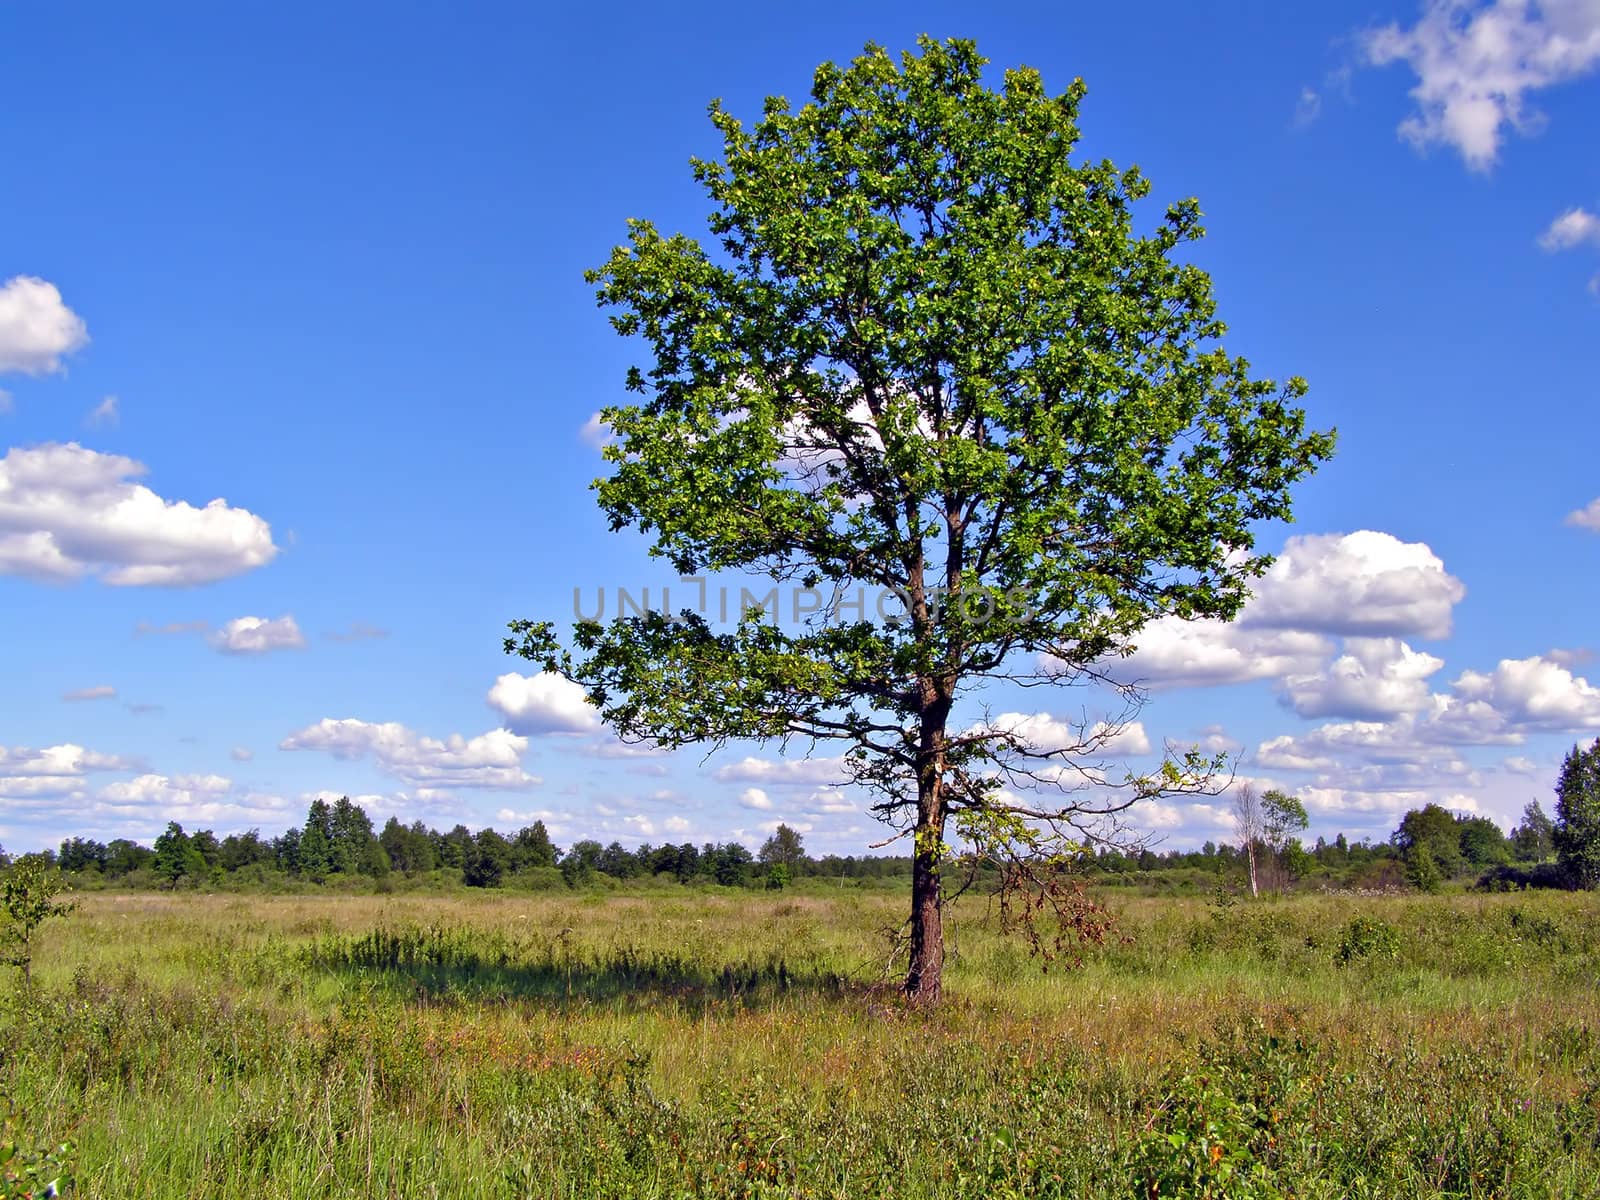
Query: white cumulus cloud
[53, 771]
[1477, 66]
[1402, 740]
[1175, 653]
[1373, 678]
[827, 801]
[1288, 753]
[490, 760]
[1214, 739]
[163, 791]
[1575, 227]
[147, 802]
[1038, 732]
[1126, 737]
[258, 635]
[1194, 820]
[1384, 765]
[66, 512]
[1365, 583]
[542, 703]
[1587, 517]
[1386, 804]
[1535, 694]
[65, 759]
[36, 328]
[38, 787]
[1043, 733]
[756, 798]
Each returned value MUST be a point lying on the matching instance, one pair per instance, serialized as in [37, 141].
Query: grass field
[745, 1044]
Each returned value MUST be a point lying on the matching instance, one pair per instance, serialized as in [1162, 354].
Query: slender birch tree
[1250, 822]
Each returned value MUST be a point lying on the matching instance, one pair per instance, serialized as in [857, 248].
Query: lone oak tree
[929, 355]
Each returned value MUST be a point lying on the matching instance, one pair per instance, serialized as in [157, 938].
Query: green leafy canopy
[1577, 824]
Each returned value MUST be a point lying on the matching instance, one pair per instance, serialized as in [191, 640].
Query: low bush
[1367, 937]
[1507, 878]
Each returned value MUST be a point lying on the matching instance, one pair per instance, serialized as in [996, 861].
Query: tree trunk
[1250, 852]
[925, 976]
[925, 979]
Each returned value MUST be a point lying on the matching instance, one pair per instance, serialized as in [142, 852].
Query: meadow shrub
[256, 878]
[28, 894]
[1266, 931]
[1507, 878]
[537, 879]
[1422, 871]
[1529, 926]
[1367, 937]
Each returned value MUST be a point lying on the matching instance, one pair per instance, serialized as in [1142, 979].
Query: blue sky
[321, 271]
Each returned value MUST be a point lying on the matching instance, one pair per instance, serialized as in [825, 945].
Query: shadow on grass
[444, 965]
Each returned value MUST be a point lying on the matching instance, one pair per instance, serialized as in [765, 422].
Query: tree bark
[925, 976]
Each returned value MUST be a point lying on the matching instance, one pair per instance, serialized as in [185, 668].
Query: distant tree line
[1430, 847]
[338, 840]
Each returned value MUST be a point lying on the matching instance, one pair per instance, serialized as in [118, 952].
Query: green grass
[752, 1045]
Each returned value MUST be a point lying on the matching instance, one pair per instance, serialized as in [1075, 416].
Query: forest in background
[339, 844]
